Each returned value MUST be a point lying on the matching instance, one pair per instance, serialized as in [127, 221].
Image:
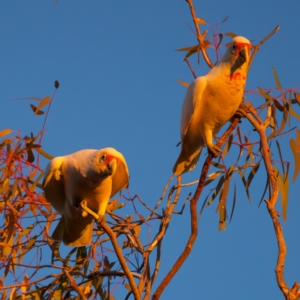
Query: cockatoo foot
[241, 111]
[87, 211]
[214, 149]
[101, 220]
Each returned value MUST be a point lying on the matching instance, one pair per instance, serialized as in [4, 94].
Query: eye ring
[102, 158]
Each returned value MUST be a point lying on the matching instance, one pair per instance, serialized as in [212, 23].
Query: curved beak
[111, 166]
[244, 54]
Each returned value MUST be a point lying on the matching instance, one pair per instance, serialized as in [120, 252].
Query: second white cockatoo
[89, 177]
[210, 102]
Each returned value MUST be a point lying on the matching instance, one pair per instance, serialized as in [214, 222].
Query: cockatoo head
[106, 162]
[238, 53]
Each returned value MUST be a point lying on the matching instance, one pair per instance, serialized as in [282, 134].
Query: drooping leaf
[44, 102]
[66, 260]
[194, 48]
[278, 105]
[222, 217]
[24, 286]
[231, 34]
[228, 145]
[13, 294]
[292, 112]
[280, 156]
[106, 264]
[265, 190]
[200, 21]
[30, 156]
[233, 202]
[81, 255]
[212, 177]
[222, 202]
[183, 83]
[295, 150]
[37, 112]
[219, 166]
[216, 191]
[225, 19]
[267, 97]
[276, 79]
[44, 153]
[252, 174]
[5, 132]
[284, 192]
[244, 183]
[297, 97]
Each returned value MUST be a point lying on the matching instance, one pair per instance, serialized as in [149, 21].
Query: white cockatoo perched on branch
[210, 102]
[89, 177]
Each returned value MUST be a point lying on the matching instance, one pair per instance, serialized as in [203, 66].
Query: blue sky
[118, 72]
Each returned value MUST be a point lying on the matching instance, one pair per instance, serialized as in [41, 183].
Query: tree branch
[290, 294]
[75, 286]
[121, 259]
[200, 37]
[193, 211]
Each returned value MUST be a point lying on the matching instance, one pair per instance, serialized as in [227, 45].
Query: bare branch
[261, 43]
[200, 37]
[293, 293]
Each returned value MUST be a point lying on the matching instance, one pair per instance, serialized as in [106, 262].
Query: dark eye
[102, 158]
[233, 47]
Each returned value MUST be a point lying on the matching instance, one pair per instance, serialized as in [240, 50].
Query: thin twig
[260, 44]
[191, 68]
